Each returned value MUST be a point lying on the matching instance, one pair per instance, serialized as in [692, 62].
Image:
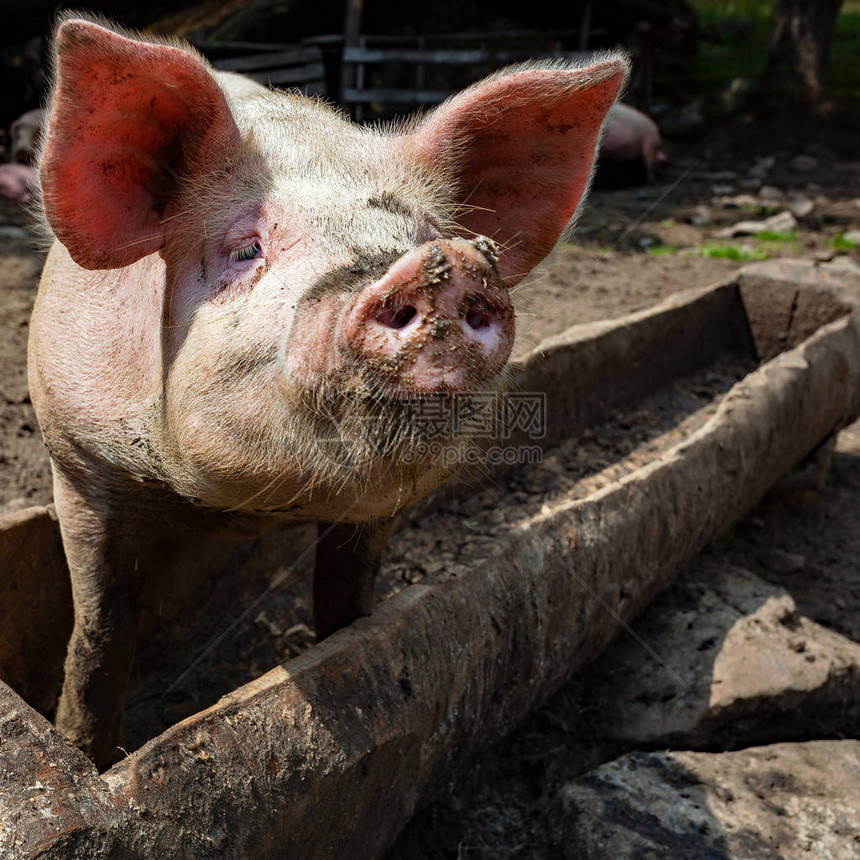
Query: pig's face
[292, 286]
[319, 278]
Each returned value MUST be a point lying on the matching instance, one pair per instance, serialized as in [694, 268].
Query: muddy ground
[633, 247]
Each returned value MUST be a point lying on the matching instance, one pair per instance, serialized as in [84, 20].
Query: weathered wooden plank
[440, 56]
[270, 60]
[311, 74]
[52, 802]
[356, 96]
[591, 369]
[36, 602]
[475, 36]
[35, 605]
[205, 46]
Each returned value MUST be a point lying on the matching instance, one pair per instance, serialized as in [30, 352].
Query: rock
[9, 231]
[804, 163]
[762, 167]
[739, 201]
[741, 667]
[722, 190]
[782, 562]
[770, 194]
[751, 183]
[852, 236]
[716, 175]
[801, 207]
[783, 222]
[780, 802]
[701, 216]
[842, 263]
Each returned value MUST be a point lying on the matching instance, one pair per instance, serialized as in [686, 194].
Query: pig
[24, 134]
[632, 137]
[17, 182]
[241, 283]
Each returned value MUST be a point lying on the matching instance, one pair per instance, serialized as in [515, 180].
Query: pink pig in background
[247, 294]
[632, 136]
[25, 134]
[18, 180]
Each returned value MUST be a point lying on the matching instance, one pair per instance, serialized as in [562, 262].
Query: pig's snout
[439, 320]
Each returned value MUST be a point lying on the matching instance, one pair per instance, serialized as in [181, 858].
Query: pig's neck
[95, 362]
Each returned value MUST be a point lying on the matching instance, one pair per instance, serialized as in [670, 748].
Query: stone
[782, 562]
[783, 222]
[779, 802]
[801, 207]
[842, 264]
[770, 194]
[701, 216]
[804, 163]
[9, 231]
[762, 167]
[722, 190]
[737, 665]
[738, 201]
[750, 183]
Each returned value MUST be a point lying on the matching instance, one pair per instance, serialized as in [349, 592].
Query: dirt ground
[632, 247]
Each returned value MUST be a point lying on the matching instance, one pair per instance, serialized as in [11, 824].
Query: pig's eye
[247, 252]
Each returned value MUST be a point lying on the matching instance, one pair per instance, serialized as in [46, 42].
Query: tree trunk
[797, 70]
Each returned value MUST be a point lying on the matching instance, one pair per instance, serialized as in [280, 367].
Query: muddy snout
[440, 319]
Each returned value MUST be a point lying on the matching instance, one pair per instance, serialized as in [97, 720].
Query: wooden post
[352, 74]
[585, 25]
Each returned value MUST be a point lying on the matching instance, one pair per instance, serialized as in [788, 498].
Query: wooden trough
[329, 754]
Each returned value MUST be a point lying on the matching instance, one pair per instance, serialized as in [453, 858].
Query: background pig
[17, 182]
[24, 135]
[246, 295]
[630, 136]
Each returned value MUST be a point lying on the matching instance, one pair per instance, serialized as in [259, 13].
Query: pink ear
[127, 117]
[522, 145]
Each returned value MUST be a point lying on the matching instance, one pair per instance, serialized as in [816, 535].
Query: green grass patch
[840, 243]
[662, 250]
[777, 236]
[732, 252]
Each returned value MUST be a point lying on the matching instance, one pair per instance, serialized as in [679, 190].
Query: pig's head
[320, 278]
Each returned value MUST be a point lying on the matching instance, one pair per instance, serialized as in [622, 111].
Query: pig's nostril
[400, 318]
[478, 317]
